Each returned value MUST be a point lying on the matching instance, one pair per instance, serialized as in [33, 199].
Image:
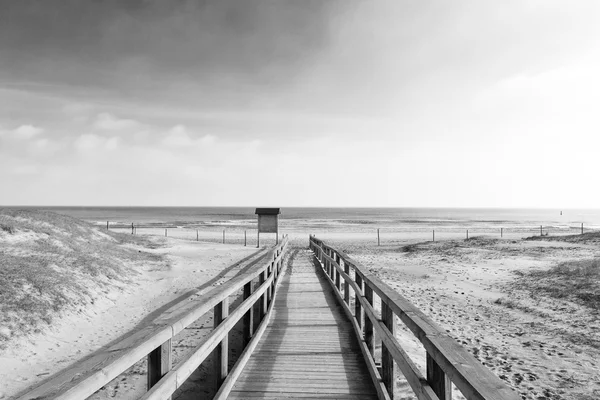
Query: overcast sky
[465, 103]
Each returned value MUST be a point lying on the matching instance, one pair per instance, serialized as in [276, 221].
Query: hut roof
[268, 211]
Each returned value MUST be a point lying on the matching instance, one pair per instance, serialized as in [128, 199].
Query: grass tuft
[52, 263]
[577, 280]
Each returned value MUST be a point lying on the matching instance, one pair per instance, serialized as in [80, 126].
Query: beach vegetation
[51, 264]
[575, 280]
[587, 237]
[7, 228]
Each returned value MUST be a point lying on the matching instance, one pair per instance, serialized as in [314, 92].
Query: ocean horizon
[383, 216]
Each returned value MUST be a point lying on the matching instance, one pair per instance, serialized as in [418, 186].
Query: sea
[322, 220]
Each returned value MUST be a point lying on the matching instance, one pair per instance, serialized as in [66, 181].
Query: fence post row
[447, 361]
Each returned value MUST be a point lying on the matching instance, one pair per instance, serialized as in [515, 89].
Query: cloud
[179, 136]
[23, 132]
[108, 122]
[91, 141]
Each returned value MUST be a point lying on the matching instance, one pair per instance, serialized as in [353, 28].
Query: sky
[382, 103]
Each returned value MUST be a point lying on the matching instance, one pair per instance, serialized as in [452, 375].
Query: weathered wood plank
[159, 363]
[308, 350]
[472, 379]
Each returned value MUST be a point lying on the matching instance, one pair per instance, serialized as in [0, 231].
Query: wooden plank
[388, 370]
[177, 376]
[473, 379]
[159, 363]
[366, 352]
[307, 351]
[237, 369]
[438, 380]
[249, 317]
[221, 359]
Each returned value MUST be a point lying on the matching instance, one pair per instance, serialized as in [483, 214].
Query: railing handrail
[446, 359]
[86, 377]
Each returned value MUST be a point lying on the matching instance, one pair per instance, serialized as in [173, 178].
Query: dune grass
[51, 263]
[586, 238]
[576, 280]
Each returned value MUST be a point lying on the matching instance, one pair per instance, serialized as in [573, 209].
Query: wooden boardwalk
[309, 349]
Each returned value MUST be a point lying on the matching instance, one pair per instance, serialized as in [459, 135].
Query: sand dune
[543, 347]
[186, 268]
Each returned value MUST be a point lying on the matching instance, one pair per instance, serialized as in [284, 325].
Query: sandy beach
[480, 290]
[191, 267]
[543, 347]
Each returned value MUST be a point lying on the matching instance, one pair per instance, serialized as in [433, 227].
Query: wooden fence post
[437, 379]
[263, 298]
[581, 228]
[223, 236]
[347, 284]
[269, 273]
[378, 237]
[368, 324]
[387, 361]
[357, 306]
[501, 229]
[249, 316]
[165, 232]
[467, 233]
[541, 233]
[244, 238]
[221, 311]
[159, 363]
[106, 225]
[197, 235]
[337, 273]
[434, 235]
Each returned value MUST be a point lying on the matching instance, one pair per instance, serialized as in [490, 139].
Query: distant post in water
[196, 235]
[434, 235]
[244, 238]
[541, 231]
[223, 235]
[582, 228]
[268, 219]
[106, 225]
[132, 228]
[377, 236]
[165, 232]
[467, 233]
[501, 232]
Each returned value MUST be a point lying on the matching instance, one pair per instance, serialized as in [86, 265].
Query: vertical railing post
[368, 323]
[331, 266]
[437, 379]
[346, 283]
[387, 362]
[262, 309]
[159, 363]
[221, 362]
[269, 273]
[357, 305]
[337, 273]
[249, 316]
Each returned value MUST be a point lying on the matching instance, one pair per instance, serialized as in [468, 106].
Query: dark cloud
[133, 42]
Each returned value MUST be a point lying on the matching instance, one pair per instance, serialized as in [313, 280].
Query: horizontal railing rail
[154, 341]
[447, 361]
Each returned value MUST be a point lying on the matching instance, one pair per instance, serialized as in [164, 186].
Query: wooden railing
[447, 361]
[154, 341]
